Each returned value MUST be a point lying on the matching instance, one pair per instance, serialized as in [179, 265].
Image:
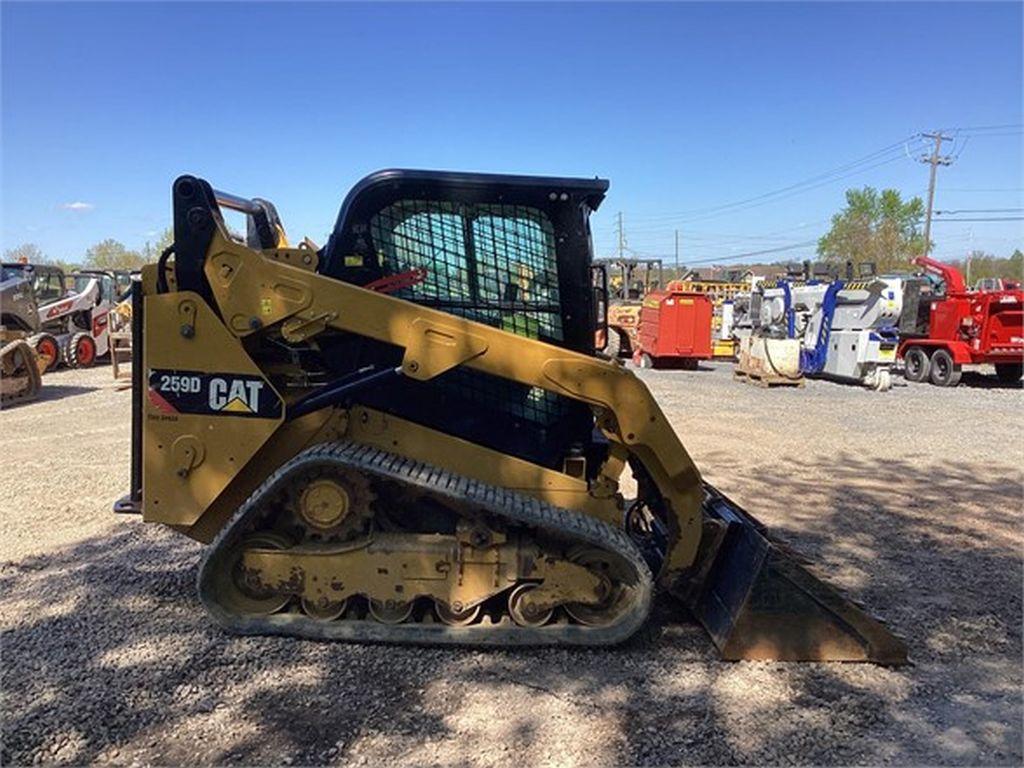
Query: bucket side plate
[758, 602]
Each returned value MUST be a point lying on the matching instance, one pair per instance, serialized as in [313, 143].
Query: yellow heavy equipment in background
[629, 280]
[406, 435]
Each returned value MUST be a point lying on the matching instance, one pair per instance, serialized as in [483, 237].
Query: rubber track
[514, 507]
[34, 378]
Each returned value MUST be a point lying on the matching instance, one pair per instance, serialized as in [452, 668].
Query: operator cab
[106, 284]
[513, 252]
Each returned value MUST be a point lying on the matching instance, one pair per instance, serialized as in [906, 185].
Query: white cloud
[77, 206]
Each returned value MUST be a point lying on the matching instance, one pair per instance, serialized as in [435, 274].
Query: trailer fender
[959, 350]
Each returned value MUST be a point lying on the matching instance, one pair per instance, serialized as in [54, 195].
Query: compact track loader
[21, 366]
[406, 435]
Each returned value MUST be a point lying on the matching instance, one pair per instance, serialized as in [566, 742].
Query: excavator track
[525, 517]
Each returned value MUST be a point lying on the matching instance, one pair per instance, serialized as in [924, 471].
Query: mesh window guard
[495, 264]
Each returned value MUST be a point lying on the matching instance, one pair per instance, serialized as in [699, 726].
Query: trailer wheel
[1009, 373]
[81, 351]
[916, 365]
[944, 373]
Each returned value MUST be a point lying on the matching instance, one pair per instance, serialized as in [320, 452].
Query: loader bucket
[758, 602]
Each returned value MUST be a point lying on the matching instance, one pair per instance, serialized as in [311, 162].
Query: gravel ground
[910, 500]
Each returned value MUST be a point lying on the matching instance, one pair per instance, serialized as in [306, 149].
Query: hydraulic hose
[161, 269]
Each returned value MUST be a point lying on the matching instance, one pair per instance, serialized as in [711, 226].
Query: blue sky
[684, 107]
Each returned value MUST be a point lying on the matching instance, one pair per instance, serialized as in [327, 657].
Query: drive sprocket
[330, 505]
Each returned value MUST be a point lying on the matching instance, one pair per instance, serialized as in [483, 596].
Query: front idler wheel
[615, 595]
[239, 594]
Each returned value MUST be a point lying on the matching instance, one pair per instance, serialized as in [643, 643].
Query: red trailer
[962, 328]
[675, 329]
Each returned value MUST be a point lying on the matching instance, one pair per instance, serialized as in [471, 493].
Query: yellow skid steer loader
[407, 435]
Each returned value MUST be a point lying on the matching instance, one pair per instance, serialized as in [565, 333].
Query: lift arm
[244, 281]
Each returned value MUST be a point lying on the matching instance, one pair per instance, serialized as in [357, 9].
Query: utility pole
[677, 253]
[934, 160]
[970, 252]
[622, 236]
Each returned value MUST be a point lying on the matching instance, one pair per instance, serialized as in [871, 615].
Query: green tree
[28, 253]
[987, 265]
[151, 251]
[1015, 265]
[110, 254]
[875, 227]
[982, 265]
[31, 253]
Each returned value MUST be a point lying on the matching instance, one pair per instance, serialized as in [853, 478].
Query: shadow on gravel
[107, 656]
[48, 393]
[978, 380]
[107, 653]
[59, 392]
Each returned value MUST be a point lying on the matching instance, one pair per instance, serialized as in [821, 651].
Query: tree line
[883, 228]
[873, 226]
[106, 254]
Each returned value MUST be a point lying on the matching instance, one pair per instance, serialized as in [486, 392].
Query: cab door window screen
[48, 287]
[495, 264]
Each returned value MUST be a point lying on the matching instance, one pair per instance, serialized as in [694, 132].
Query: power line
[748, 254]
[666, 224]
[990, 135]
[880, 157]
[980, 210]
[984, 189]
[876, 159]
[975, 128]
[776, 196]
[993, 218]
[779, 198]
[781, 234]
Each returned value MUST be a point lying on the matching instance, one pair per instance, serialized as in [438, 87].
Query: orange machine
[675, 329]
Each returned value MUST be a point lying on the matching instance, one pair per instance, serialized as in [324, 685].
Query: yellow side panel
[205, 409]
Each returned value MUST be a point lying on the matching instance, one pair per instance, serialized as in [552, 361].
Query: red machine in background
[675, 329]
[961, 327]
